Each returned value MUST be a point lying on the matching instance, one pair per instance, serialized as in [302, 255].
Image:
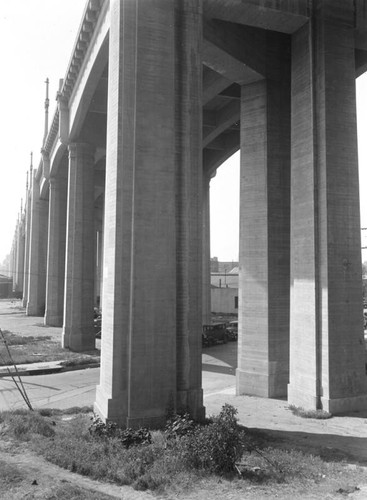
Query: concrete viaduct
[157, 95]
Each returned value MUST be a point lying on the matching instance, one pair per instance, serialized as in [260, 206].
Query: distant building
[224, 288]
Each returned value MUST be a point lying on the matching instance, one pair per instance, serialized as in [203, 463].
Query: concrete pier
[78, 332]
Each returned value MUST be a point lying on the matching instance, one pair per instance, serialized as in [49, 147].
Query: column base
[302, 399]
[260, 384]
[53, 320]
[191, 400]
[78, 340]
[111, 410]
[24, 302]
[344, 405]
[298, 397]
[34, 309]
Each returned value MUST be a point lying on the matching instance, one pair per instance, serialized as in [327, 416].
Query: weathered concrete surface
[37, 253]
[78, 332]
[327, 357]
[54, 312]
[264, 229]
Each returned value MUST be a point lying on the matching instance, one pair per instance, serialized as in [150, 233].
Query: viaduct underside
[158, 94]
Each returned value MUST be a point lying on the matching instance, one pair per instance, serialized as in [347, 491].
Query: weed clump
[128, 437]
[317, 414]
[214, 447]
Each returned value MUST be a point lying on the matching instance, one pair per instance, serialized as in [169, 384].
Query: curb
[47, 369]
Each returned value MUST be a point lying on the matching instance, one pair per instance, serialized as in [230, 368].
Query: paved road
[77, 388]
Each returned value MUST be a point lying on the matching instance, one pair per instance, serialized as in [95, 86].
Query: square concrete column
[327, 365]
[36, 295]
[189, 205]
[26, 247]
[19, 271]
[263, 344]
[78, 330]
[98, 273]
[206, 252]
[56, 248]
[150, 358]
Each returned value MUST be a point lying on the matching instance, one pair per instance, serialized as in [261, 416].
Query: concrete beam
[285, 17]
[227, 66]
[213, 84]
[221, 121]
[213, 158]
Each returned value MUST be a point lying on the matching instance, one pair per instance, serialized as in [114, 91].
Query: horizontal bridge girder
[213, 84]
[223, 119]
[285, 17]
[228, 66]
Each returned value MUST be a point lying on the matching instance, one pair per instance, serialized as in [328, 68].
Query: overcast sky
[36, 39]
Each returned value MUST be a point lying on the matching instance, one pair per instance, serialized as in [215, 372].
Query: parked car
[232, 330]
[97, 323]
[215, 333]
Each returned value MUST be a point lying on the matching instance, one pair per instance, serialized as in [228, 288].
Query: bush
[217, 446]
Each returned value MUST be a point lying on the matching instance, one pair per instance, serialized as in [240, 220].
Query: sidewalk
[44, 368]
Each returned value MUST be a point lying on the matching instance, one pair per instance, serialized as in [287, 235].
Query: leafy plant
[99, 428]
[128, 437]
[217, 446]
[179, 425]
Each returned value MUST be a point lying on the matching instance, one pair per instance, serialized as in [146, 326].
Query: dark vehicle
[215, 333]
[232, 330]
[97, 320]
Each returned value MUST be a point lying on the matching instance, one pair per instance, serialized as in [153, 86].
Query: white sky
[36, 39]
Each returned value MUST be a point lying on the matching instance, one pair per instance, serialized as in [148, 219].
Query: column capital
[79, 149]
[63, 106]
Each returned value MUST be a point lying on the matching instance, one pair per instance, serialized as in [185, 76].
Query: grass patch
[317, 414]
[29, 349]
[13, 339]
[79, 361]
[74, 410]
[24, 425]
[177, 459]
